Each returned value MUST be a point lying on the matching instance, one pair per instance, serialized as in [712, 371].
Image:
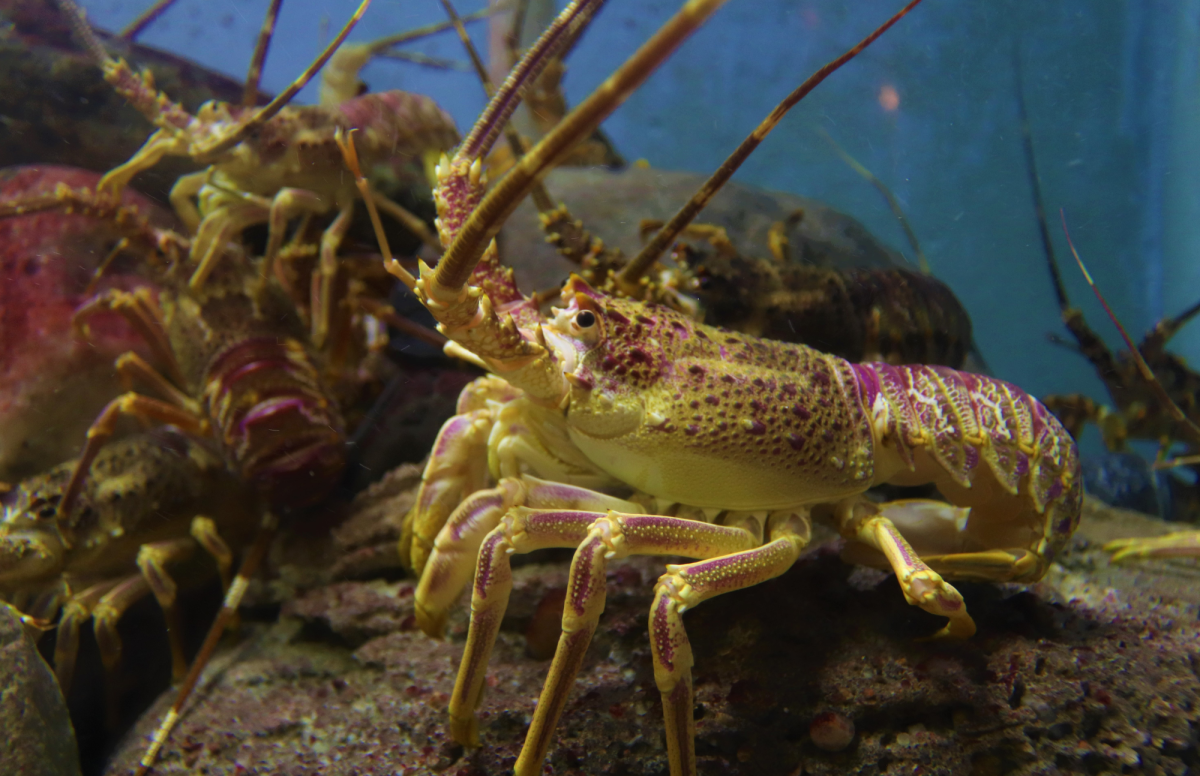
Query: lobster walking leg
[1180, 544]
[683, 587]
[865, 522]
[452, 560]
[153, 559]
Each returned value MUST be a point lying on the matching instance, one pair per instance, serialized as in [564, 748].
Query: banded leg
[941, 534]
[1180, 544]
[153, 559]
[325, 280]
[598, 537]
[183, 199]
[682, 588]
[452, 560]
[863, 521]
[233, 599]
[105, 617]
[76, 611]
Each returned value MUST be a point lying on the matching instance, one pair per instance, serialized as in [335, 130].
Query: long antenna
[893, 203]
[654, 249]
[270, 109]
[1035, 183]
[254, 74]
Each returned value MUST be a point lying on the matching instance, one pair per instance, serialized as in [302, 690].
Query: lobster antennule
[651, 252]
[469, 243]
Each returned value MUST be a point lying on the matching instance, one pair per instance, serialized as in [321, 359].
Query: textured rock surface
[37, 739]
[601, 199]
[54, 383]
[1090, 671]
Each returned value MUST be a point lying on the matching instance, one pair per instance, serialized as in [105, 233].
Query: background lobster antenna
[83, 31]
[254, 74]
[284, 97]
[628, 278]
[893, 203]
[144, 20]
[1191, 430]
[1035, 182]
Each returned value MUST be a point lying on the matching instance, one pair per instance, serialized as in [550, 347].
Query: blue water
[1112, 94]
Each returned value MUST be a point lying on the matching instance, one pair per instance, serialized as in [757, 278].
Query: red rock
[53, 383]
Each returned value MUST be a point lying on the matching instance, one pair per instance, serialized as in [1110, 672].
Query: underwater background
[931, 109]
[1087, 666]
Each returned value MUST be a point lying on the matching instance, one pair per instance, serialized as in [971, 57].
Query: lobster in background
[148, 502]
[276, 164]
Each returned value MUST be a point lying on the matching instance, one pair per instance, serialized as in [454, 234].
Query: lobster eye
[585, 319]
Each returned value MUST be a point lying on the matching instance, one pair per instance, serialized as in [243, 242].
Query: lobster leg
[1180, 544]
[108, 612]
[456, 468]
[452, 560]
[204, 531]
[76, 611]
[152, 559]
[938, 533]
[183, 199]
[161, 143]
[685, 586]
[217, 229]
[143, 315]
[323, 303]
[286, 205]
[866, 522]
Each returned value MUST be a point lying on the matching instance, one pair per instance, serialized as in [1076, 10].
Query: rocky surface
[1090, 671]
[601, 199]
[37, 737]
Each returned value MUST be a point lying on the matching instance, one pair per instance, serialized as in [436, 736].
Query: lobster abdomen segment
[985, 443]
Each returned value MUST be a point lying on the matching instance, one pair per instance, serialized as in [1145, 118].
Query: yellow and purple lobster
[618, 427]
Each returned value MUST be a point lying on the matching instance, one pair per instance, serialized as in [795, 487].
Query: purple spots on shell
[972, 457]
[727, 379]
[801, 412]
[694, 403]
[713, 400]
[796, 441]
[691, 429]
[696, 369]
[608, 364]
[755, 427]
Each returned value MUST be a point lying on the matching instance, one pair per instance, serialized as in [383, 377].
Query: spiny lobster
[239, 368]
[147, 503]
[273, 164]
[723, 446]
